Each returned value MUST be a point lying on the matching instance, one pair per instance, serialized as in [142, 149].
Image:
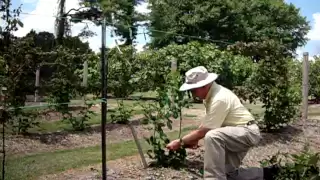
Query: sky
[39, 15]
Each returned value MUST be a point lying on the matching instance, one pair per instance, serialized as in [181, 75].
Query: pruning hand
[174, 145]
[192, 145]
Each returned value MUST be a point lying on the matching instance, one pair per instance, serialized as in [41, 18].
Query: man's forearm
[194, 136]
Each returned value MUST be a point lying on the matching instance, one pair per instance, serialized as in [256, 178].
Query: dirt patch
[289, 140]
[36, 143]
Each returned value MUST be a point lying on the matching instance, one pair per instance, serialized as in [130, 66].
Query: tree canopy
[247, 21]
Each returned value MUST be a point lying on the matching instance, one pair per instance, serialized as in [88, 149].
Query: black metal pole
[3, 149]
[104, 101]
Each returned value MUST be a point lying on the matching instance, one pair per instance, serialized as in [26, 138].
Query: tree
[120, 14]
[233, 70]
[314, 79]
[253, 21]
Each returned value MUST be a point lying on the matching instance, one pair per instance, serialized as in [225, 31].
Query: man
[228, 129]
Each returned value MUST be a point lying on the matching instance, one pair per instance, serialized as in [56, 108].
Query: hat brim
[211, 77]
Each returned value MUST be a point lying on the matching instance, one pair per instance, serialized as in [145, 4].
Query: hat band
[196, 80]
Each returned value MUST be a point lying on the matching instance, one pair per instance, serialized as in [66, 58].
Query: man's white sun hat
[197, 77]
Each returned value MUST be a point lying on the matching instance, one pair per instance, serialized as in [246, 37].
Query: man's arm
[194, 136]
[214, 118]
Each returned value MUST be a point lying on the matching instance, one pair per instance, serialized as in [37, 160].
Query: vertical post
[3, 119]
[305, 84]
[37, 84]
[173, 65]
[85, 79]
[173, 70]
[104, 64]
[3, 144]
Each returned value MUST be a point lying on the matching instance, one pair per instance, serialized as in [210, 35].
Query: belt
[248, 123]
[251, 122]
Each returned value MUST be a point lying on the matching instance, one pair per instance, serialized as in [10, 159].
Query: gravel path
[290, 140]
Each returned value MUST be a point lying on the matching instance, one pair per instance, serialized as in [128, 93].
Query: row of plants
[158, 115]
[304, 165]
[161, 113]
[236, 72]
[266, 77]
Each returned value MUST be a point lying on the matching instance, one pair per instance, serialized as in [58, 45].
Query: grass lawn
[53, 126]
[33, 166]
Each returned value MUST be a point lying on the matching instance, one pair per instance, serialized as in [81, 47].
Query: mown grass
[33, 166]
[46, 126]
[54, 126]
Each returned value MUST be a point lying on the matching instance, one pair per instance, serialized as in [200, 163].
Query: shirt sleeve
[216, 114]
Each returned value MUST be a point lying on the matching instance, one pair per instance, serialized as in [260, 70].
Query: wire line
[144, 33]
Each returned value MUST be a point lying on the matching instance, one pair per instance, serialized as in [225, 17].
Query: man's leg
[227, 139]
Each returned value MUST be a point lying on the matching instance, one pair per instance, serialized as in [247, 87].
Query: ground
[77, 156]
[289, 140]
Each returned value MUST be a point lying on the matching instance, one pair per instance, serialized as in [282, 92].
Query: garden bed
[289, 140]
[43, 142]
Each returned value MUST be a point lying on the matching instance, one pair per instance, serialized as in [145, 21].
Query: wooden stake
[134, 134]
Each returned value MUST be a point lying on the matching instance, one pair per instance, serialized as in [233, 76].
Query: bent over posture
[228, 129]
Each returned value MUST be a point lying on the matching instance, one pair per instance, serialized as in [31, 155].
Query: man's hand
[174, 145]
[192, 145]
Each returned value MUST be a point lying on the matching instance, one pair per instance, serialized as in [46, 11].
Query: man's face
[199, 93]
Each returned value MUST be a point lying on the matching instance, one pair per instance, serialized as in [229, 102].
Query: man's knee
[213, 136]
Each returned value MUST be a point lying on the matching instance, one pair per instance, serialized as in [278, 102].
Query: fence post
[37, 84]
[85, 79]
[305, 86]
[173, 65]
[173, 70]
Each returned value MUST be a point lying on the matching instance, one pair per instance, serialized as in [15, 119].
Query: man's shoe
[270, 173]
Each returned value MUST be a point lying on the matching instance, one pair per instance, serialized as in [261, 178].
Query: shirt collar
[214, 87]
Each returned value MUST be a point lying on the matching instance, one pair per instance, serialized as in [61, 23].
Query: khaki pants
[225, 149]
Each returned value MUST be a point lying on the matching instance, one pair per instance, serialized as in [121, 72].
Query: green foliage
[314, 78]
[17, 59]
[169, 105]
[65, 84]
[123, 115]
[21, 121]
[94, 80]
[300, 166]
[233, 70]
[124, 16]
[231, 21]
[79, 123]
[271, 83]
[121, 66]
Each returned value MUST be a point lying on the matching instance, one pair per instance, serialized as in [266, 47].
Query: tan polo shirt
[223, 108]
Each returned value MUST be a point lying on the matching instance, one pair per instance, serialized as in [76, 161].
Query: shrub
[299, 166]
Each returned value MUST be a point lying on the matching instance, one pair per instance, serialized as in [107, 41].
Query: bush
[271, 83]
[169, 105]
[233, 69]
[121, 67]
[314, 78]
[21, 121]
[302, 166]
